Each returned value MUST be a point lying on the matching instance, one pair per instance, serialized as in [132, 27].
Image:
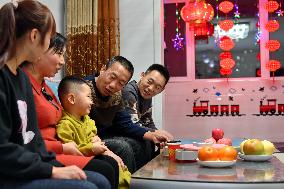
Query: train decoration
[270, 108]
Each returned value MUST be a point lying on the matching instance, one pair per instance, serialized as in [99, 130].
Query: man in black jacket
[115, 127]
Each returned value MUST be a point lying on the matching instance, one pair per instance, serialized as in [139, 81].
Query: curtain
[92, 33]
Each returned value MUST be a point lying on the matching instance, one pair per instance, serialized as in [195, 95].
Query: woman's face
[50, 63]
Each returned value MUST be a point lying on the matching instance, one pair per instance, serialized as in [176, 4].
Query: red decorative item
[272, 45]
[203, 30]
[226, 43]
[273, 65]
[225, 71]
[271, 6]
[258, 56]
[226, 6]
[272, 25]
[197, 12]
[227, 63]
[226, 25]
[224, 55]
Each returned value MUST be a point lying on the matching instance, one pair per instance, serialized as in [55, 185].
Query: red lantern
[197, 12]
[258, 56]
[226, 6]
[271, 6]
[227, 63]
[272, 45]
[273, 65]
[225, 71]
[224, 55]
[226, 43]
[204, 29]
[272, 25]
[226, 25]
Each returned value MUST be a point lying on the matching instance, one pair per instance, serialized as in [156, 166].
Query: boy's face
[151, 84]
[83, 100]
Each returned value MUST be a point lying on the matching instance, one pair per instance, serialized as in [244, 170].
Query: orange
[208, 153]
[228, 153]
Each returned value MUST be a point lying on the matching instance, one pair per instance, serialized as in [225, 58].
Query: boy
[75, 124]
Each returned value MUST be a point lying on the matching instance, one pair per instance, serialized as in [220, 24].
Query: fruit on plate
[208, 153]
[217, 133]
[242, 146]
[269, 147]
[227, 153]
[253, 147]
[226, 141]
[210, 140]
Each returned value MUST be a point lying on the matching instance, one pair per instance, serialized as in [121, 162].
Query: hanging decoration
[178, 40]
[226, 25]
[226, 43]
[272, 66]
[225, 72]
[237, 13]
[272, 25]
[226, 6]
[227, 63]
[272, 45]
[225, 54]
[280, 12]
[271, 6]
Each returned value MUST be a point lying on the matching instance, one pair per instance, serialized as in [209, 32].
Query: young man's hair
[161, 69]
[68, 84]
[123, 61]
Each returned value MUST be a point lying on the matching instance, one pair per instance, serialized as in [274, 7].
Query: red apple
[210, 140]
[217, 133]
[226, 141]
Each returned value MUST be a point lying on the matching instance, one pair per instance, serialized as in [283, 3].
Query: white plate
[216, 163]
[255, 157]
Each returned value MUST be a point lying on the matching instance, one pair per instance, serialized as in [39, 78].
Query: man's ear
[71, 98]
[142, 75]
[34, 35]
[103, 69]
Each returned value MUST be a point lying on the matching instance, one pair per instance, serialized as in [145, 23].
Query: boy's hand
[116, 157]
[99, 148]
[70, 148]
[96, 139]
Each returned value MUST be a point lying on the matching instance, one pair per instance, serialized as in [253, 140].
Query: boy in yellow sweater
[75, 124]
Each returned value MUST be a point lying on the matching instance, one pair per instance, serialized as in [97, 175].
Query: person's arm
[54, 146]
[66, 133]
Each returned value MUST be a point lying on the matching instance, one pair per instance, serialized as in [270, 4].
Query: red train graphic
[204, 109]
[270, 107]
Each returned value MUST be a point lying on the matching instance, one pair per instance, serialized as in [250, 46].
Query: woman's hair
[16, 19]
[57, 43]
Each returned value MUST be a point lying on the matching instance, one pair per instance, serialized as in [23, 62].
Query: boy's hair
[161, 69]
[67, 84]
[122, 61]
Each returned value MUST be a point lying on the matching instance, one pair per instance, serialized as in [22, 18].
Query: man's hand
[116, 157]
[70, 172]
[99, 148]
[156, 137]
[70, 148]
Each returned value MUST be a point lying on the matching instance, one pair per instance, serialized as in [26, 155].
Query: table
[160, 173]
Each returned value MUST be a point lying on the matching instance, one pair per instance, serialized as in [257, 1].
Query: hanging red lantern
[271, 6]
[273, 65]
[226, 43]
[204, 29]
[272, 25]
[226, 6]
[224, 55]
[272, 45]
[226, 72]
[226, 25]
[197, 12]
[227, 63]
[258, 56]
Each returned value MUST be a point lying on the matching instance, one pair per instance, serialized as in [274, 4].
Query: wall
[140, 40]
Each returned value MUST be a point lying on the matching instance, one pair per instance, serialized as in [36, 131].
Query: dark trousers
[134, 153]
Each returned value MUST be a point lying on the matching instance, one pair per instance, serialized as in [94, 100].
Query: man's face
[151, 84]
[113, 79]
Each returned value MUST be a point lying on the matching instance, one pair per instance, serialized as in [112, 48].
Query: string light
[178, 40]
[237, 13]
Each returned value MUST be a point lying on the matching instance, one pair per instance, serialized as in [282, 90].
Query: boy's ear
[71, 98]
